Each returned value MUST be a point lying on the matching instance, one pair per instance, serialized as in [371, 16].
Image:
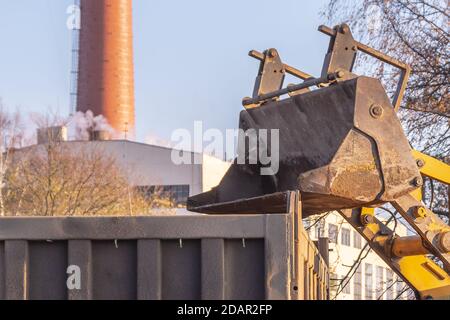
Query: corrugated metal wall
[192, 257]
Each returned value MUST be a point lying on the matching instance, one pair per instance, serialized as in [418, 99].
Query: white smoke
[82, 124]
[155, 140]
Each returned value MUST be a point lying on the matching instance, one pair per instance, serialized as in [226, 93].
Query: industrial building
[148, 167]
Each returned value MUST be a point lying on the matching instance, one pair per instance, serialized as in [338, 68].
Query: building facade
[150, 168]
[371, 279]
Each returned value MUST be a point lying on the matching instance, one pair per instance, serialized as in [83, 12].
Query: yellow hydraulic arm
[432, 168]
[410, 257]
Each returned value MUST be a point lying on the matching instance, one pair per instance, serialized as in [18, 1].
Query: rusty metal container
[106, 71]
[261, 256]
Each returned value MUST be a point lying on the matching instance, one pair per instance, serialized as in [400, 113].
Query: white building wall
[213, 170]
[152, 165]
[149, 165]
[344, 251]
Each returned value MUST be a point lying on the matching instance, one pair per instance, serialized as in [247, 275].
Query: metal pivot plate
[341, 54]
[405, 70]
[271, 74]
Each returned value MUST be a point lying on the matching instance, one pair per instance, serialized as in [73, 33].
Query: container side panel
[149, 270]
[181, 270]
[16, 270]
[114, 265]
[80, 256]
[47, 267]
[148, 261]
[213, 266]
[279, 258]
[244, 269]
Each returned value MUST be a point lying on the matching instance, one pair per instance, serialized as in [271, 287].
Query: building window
[368, 282]
[345, 237]
[334, 283]
[307, 225]
[357, 284]
[317, 231]
[380, 282]
[389, 284]
[400, 289]
[333, 233]
[176, 193]
[410, 295]
[356, 240]
[347, 289]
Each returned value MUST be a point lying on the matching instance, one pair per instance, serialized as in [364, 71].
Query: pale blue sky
[190, 56]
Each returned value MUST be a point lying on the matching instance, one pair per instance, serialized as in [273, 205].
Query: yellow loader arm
[409, 256]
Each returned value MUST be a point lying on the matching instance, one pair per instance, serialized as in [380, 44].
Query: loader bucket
[342, 146]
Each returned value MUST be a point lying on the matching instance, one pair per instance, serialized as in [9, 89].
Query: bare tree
[11, 136]
[416, 32]
[60, 178]
[64, 179]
